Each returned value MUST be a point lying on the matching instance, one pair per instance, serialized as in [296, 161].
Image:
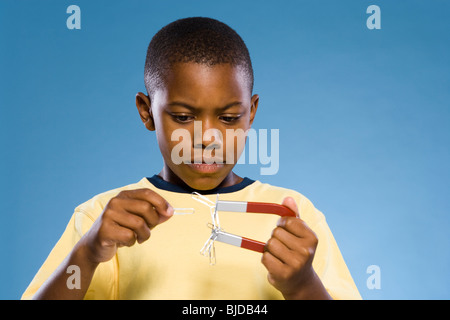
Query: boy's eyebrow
[187, 106]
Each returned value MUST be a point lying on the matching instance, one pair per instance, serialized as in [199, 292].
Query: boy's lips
[205, 167]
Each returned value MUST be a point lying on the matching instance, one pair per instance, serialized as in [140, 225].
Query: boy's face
[219, 98]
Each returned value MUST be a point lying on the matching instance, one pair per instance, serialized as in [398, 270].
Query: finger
[272, 264]
[291, 241]
[296, 226]
[300, 250]
[278, 250]
[132, 222]
[291, 204]
[143, 209]
[276, 270]
[162, 207]
[123, 236]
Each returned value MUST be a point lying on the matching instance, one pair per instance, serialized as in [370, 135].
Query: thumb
[291, 204]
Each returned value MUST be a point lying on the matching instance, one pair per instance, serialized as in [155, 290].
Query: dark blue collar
[158, 182]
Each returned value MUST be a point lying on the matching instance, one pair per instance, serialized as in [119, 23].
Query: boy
[127, 243]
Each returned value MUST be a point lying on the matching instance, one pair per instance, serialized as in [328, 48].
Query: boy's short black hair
[201, 40]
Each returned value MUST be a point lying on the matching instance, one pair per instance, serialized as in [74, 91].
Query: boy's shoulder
[95, 205]
[266, 189]
[276, 194]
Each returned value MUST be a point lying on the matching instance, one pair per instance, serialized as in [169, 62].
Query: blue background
[363, 118]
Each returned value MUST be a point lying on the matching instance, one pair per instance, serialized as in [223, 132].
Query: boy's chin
[206, 178]
[203, 182]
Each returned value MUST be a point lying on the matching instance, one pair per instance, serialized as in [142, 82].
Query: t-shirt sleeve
[328, 261]
[102, 284]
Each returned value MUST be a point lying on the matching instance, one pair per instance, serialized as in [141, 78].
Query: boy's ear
[144, 107]
[253, 107]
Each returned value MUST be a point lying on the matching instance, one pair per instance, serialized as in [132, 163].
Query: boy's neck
[168, 175]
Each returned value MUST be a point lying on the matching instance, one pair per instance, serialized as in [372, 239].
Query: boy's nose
[207, 136]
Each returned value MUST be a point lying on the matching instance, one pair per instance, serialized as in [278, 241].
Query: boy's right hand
[127, 218]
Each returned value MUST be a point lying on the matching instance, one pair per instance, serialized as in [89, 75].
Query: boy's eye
[182, 118]
[229, 119]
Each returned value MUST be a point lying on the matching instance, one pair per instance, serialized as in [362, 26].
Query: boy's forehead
[198, 83]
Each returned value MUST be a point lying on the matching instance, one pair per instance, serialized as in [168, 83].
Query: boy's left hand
[288, 258]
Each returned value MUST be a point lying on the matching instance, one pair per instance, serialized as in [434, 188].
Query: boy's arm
[288, 259]
[127, 218]
[56, 287]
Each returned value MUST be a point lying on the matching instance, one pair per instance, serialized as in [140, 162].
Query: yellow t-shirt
[169, 265]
